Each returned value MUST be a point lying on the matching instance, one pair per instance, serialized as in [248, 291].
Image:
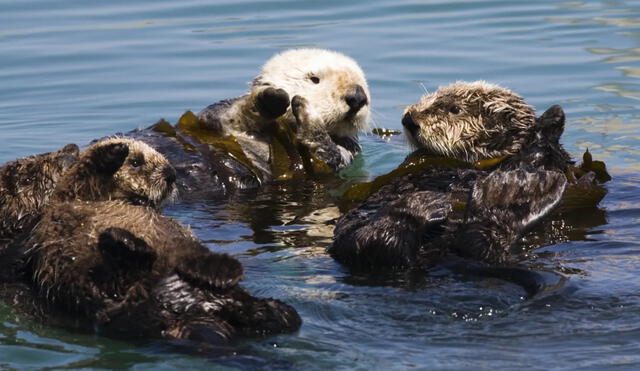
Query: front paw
[211, 270]
[306, 116]
[272, 103]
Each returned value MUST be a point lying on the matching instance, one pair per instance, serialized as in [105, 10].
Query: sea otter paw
[517, 197]
[218, 271]
[503, 206]
[124, 249]
[109, 158]
[272, 103]
[306, 117]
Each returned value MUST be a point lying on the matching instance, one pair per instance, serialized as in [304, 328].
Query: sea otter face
[146, 174]
[139, 173]
[27, 183]
[332, 82]
[469, 121]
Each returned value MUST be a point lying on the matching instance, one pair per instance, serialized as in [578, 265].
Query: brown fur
[119, 168]
[470, 121]
[130, 272]
[477, 212]
[26, 185]
[70, 269]
[126, 270]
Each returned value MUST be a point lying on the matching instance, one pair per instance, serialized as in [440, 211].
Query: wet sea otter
[102, 257]
[506, 171]
[25, 187]
[260, 136]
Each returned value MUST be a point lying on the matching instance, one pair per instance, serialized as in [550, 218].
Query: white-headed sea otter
[236, 143]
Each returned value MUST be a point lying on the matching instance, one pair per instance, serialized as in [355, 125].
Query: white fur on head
[324, 78]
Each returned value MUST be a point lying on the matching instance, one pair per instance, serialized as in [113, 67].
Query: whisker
[426, 91]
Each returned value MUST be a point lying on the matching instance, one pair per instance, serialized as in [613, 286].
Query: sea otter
[506, 172]
[246, 141]
[118, 169]
[102, 257]
[25, 187]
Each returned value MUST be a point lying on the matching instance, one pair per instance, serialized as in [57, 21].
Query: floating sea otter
[25, 187]
[485, 172]
[301, 116]
[103, 258]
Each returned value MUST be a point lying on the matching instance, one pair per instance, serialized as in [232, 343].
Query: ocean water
[72, 71]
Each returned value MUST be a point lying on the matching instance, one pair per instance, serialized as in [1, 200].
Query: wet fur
[134, 273]
[326, 80]
[119, 168]
[287, 75]
[102, 257]
[476, 121]
[25, 188]
[420, 219]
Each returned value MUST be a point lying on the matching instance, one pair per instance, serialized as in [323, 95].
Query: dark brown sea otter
[25, 187]
[103, 258]
[506, 173]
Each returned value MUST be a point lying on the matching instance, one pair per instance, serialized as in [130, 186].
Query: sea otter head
[119, 168]
[27, 183]
[470, 121]
[332, 82]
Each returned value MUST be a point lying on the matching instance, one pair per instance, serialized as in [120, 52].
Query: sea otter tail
[534, 282]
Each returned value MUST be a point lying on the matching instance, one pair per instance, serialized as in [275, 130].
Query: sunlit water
[72, 71]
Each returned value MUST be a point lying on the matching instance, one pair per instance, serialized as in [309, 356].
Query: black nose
[409, 124]
[356, 98]
[169, 174]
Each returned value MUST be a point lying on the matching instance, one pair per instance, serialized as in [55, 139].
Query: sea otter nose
[409, 124]
[356, 98]
[169, 174]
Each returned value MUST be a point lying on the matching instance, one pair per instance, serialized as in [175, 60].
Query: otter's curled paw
[503, 206]
[218, 271]
[109, 158]
[124, 250]
[306, 117]
[272, 103]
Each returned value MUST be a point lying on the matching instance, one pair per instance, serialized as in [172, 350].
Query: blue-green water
[72, 71]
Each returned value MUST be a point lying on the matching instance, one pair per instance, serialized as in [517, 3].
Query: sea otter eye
[136, 162]
[454, 109]
[314, 79]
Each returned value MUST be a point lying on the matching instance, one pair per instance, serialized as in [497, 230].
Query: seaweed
[583, 191]
[289, 158]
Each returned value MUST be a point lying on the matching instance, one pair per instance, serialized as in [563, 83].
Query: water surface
[72, 71]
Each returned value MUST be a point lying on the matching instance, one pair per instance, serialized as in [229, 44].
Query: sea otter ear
[124, 251]
[211, 270]
[551, 123]
[503, 206]
[108, 158]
